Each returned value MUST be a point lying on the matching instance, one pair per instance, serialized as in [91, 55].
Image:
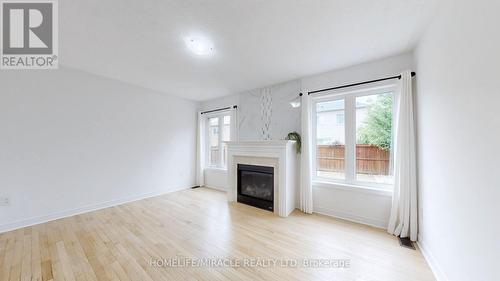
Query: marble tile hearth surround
[281, 156]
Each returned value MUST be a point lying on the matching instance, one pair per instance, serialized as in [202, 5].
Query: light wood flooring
[119, 243]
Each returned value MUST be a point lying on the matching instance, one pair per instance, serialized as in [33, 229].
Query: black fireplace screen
[256, 186]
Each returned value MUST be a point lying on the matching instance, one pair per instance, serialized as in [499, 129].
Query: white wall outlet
[4, 201]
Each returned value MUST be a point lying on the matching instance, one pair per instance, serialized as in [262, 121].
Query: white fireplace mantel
[279, 154]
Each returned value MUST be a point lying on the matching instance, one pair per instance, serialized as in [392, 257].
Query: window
[354, 137]
[213, 141]
[340, 118]
[330, 139]
[374, 138]
[218, 131]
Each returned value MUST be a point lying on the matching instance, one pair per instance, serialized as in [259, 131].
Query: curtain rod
[357, 84]
[219, 109]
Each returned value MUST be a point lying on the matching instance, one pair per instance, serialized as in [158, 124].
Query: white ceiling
[257, 42]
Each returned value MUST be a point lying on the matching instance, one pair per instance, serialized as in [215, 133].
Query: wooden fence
[369, 159]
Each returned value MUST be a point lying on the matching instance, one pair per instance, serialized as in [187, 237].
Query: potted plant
[296, 137]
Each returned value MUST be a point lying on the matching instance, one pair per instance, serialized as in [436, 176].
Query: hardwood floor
[120, 243]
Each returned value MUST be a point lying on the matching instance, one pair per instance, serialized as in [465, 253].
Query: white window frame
[220, 115]
[349, 97]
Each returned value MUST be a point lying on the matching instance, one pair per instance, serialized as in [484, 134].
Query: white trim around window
[349, 97]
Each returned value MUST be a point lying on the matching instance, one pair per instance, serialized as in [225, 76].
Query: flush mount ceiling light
[199, 45]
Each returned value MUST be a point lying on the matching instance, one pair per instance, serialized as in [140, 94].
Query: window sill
[352, 187]
[219, 169]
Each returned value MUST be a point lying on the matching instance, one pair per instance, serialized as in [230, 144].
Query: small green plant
[296, 137]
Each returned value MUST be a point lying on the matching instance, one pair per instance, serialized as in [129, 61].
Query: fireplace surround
[281, 156]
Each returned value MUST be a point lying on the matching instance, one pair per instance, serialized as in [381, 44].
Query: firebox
[256, 186]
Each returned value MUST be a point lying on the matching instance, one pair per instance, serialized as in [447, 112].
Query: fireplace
[276, 164]
[256, 186]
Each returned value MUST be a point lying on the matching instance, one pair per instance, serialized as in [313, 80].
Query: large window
[218, 131]
[354, 137]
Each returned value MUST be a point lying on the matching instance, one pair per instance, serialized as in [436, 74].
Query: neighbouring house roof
[336, 106]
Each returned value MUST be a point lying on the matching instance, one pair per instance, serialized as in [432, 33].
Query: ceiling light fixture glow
[295, 102]
[199, 45]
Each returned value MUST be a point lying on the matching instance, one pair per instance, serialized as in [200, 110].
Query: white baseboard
[216, 188]
[431, 261]
[80, 210]
[351, 217]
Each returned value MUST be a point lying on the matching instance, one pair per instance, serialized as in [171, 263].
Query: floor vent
[406, 242]
[195, 187]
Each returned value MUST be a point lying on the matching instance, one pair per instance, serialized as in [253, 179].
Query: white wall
[366, 206]
[216, 178]
[361, 205]
[284, 118]
[226, 101]
[71, 141]
[458, 126]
